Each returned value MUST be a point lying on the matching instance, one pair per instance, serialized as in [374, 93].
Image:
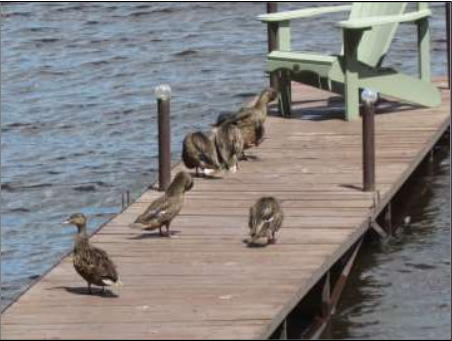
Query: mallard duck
[198, 151]
[229, 145]
[250, 120]
[259, 108]
[164, 209]
[266, 217]
[90, 262]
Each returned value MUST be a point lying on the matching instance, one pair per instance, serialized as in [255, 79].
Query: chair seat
[300, 62]
[295, 56]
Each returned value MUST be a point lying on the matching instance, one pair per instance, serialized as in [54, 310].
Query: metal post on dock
[369, 97]
[272, 29]
[163, 95]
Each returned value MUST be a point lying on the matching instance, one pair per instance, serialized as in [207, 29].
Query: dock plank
[203, 283]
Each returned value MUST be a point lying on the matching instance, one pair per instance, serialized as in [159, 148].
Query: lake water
[78, 127]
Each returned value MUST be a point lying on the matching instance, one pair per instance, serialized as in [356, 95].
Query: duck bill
[66, 222]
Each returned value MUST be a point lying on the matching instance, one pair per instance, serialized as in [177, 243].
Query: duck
[229, 145]
[250, 120]
[265, 219]
[258, 109]
[91, 263]
[164, 209]
[199, 152]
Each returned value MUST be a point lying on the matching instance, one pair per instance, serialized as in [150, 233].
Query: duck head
[182, 183]
[269, 94]
[77, 219]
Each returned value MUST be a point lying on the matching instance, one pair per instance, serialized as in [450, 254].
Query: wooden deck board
[204, 283]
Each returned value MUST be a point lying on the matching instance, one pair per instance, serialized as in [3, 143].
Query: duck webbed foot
[167, 233]
[243, 157]
[247, 157]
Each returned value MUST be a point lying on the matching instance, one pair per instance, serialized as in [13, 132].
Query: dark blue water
[78, 121]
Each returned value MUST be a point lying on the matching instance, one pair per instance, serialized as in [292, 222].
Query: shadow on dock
[84, 291]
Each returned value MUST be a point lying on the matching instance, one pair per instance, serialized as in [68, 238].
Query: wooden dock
[204, 283]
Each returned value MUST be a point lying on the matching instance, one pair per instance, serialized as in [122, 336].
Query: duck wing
[246, 116]
[241, 117]
[222, 118]
[153, 210]
[198, 146]
[277, 221]
[206, 151]
[103, 266]
[163, 209]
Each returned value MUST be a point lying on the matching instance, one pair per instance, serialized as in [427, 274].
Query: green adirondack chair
[367, 36]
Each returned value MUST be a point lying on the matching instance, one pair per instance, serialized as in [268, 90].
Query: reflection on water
[78, 123]
[401, 289]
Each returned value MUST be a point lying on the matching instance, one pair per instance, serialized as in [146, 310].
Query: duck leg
[272, 239]
[160, 230]
[168, 234]
[89, 288]
[243, 157]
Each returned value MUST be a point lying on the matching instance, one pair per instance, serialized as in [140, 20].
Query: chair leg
[424, 49]
[284, 95]
[351, 97]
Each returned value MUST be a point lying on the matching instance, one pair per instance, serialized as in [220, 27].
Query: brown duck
[250, 120]
[90, 262]
[229, 145]
[265, 219]
[164, 209]
[198, 151]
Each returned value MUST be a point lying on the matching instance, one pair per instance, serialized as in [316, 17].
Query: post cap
[162, 91]
[369, 96]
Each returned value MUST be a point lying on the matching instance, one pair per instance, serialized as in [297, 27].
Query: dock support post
[378, 229]
[163, 95]
[388, 218]
[369, 98]
[341, 281]
[326, 299]
[330, 295]
[272, 32]
[283, 335]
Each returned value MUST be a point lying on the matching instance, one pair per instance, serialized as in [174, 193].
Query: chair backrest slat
[375, 42]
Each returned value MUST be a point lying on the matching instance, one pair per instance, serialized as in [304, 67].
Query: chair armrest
[369, 22]
[301, 13]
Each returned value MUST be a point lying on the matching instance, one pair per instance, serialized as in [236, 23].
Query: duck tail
[137, 226]
[110, 282]
[148, 226]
